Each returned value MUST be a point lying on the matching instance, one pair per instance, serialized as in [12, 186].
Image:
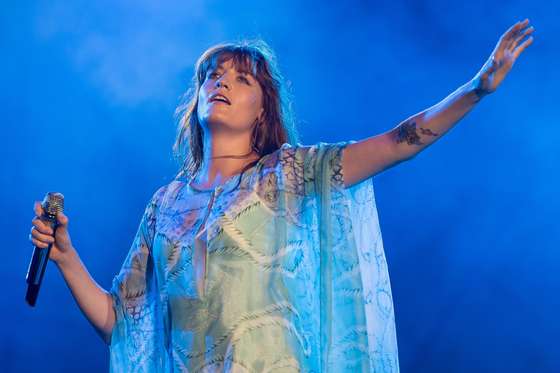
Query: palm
[504, 55]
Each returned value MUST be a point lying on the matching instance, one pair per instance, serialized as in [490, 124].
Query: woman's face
[229, 98]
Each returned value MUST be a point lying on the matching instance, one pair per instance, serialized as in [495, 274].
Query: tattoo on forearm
[407, 132]
[427, 131]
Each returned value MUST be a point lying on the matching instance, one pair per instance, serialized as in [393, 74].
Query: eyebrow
[221, 67]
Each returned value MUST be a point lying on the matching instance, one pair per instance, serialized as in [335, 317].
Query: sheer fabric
[295, 277]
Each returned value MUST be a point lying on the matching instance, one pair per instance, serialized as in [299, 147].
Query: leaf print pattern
[295, 281]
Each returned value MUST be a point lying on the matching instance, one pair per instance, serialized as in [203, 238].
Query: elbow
[105, 335]
[106, 329]
[107, 340]
[107, 332]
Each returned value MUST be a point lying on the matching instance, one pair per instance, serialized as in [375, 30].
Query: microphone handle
[37, 266]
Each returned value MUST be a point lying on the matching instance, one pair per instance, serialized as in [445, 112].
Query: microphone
[52, 204]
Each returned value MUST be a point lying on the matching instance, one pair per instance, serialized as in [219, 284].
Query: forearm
[419, 131]
[94, 302]
[375, 154]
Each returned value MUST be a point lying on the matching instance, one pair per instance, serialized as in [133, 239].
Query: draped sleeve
[297, 277]
[136, 336]
[357, 325]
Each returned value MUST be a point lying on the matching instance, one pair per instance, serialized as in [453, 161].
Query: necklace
[233, 156]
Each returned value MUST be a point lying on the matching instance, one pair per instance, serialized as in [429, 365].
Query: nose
[220, 82]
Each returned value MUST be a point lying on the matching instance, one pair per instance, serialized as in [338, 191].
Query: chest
[205, 237]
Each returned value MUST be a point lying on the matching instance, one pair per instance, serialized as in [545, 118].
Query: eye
[212, 75]
[243, 79]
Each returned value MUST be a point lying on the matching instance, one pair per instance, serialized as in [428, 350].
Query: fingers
[62, 219]
[38, 243]
[40, 239]
[38, 208]
[516, 27]
[510, 35]
[40, 225]
[509, 42]
[522, 47]
[41, 233]
[520, 37]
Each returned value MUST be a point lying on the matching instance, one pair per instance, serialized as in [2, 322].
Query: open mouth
[220, 98]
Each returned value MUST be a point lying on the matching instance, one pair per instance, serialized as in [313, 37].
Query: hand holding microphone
[50, 237]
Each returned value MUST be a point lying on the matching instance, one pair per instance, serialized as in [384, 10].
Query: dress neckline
[227, 181]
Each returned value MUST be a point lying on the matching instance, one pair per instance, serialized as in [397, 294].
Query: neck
[225, 155]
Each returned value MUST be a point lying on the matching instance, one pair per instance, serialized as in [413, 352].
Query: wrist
[475, 88]
[67, 259]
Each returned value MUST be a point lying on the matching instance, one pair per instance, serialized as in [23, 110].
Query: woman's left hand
[502, 58]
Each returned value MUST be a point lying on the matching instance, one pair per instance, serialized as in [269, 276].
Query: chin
[218, 121]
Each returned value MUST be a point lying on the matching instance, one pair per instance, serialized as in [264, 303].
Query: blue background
[470, 225]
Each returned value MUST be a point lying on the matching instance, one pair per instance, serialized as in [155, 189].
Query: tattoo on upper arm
[407, 132]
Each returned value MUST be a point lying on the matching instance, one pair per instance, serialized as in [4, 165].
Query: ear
[260, 114]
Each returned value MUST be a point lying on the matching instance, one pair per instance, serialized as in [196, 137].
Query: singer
[262, 254]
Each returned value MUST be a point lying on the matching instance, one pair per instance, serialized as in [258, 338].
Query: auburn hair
[277, 126]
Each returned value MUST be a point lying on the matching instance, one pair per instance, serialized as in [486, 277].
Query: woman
[263, 254]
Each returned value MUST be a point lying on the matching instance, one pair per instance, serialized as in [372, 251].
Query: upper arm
[131, 283]
[365, 158]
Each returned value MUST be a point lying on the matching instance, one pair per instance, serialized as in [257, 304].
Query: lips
[218, 97]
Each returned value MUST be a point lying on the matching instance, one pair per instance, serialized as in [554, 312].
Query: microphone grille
[53, 203]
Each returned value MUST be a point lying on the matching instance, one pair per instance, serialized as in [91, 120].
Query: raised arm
[365, 158]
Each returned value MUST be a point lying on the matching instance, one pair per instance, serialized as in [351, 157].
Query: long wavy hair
[277, 125]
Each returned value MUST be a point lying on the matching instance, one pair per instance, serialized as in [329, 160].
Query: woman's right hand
[42, 235]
